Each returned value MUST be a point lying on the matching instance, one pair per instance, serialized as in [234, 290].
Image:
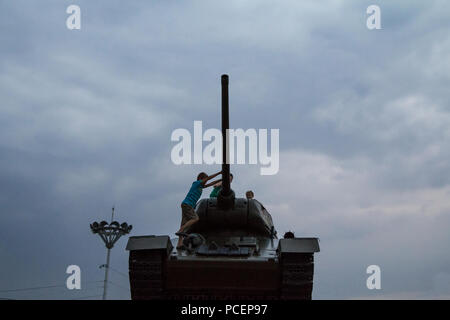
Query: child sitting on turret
[188, 215]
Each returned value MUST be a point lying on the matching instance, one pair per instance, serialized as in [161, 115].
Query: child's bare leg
[188, 224]
[180, 241]
[182, 228]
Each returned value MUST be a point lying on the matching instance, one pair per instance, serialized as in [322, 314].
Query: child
[217, 187]
[188, 215]
[249, 194]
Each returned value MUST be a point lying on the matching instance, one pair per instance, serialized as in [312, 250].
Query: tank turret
[232, 252]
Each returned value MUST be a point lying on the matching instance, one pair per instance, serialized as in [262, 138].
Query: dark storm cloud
[86, 118]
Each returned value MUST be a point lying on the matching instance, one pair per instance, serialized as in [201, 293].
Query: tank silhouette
[232, 252]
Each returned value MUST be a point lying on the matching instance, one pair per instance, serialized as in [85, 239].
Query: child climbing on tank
[188, 215]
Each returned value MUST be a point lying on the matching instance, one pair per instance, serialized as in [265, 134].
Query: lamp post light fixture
[110, 234]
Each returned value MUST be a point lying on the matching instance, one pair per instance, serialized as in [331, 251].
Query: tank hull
[280, 270]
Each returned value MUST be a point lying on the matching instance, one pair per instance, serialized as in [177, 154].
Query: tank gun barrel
[226, 188]
[225, 198]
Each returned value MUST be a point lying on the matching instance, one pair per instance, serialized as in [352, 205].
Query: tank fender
[298, 245]
[162, 243]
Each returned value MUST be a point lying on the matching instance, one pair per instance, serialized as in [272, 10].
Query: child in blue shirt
[188, 215]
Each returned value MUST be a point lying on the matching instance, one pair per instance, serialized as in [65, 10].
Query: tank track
[297, 272]
[146, 272]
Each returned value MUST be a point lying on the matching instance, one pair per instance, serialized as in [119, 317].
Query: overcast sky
[86, 118]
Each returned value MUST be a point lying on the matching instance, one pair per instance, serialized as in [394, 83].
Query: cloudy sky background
[86, 118]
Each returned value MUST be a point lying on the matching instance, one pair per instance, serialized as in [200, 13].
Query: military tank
[231, 253]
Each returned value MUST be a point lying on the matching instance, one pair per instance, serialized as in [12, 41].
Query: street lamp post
[109, 233]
